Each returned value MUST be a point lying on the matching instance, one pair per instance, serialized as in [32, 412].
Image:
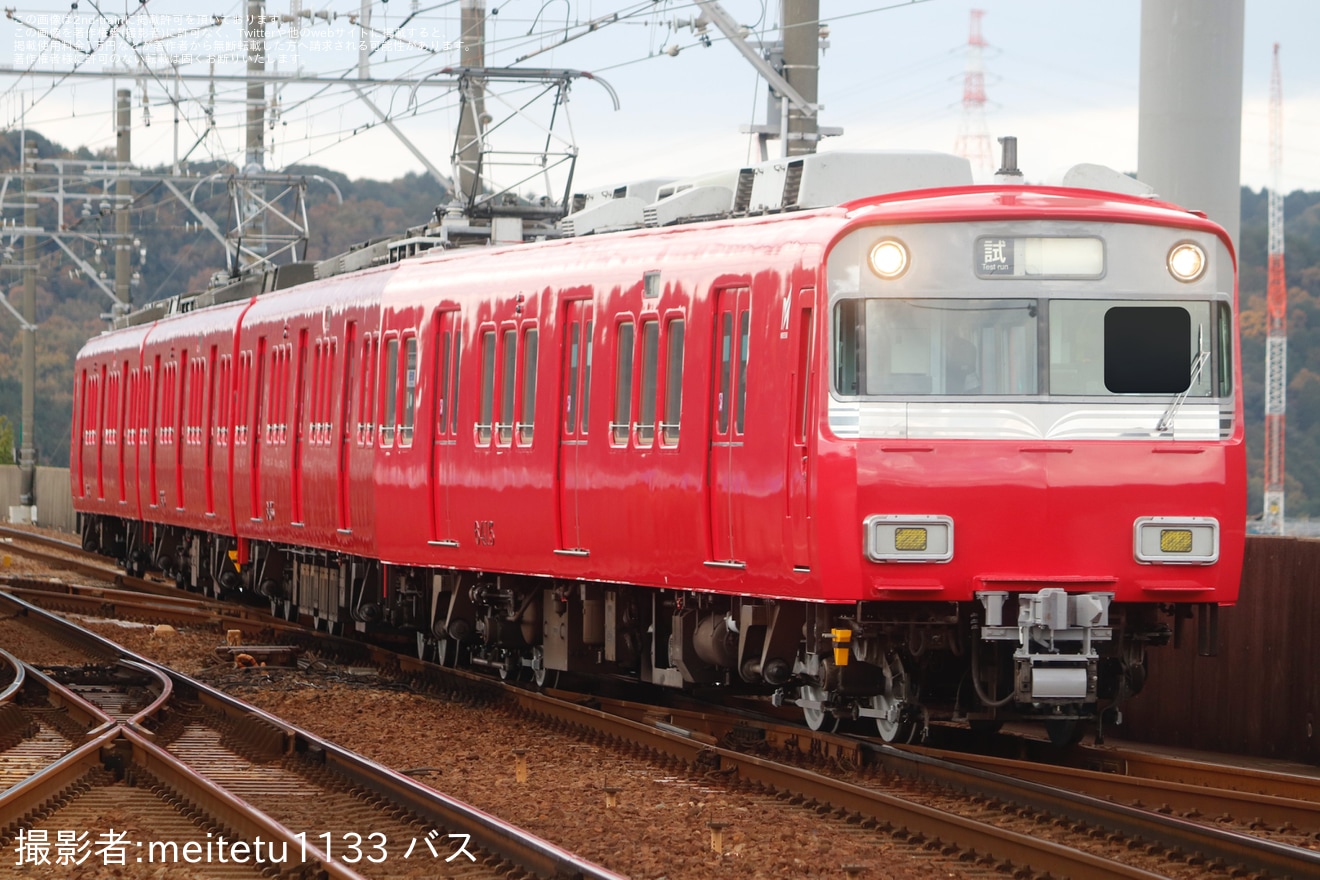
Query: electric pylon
[973, 142]
[1276, 340]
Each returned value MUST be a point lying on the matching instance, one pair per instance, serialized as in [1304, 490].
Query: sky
[1061, 75]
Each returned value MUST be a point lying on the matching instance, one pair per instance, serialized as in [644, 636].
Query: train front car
[1032, 465]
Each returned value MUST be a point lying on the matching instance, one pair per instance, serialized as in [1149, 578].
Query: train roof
[821, 195]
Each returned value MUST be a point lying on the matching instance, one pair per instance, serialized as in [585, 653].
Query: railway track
[213, 763]
[1164, 832]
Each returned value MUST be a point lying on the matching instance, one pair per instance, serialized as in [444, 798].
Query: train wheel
[897, 728]
[818, 719]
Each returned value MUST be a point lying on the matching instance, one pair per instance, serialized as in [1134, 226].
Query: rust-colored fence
[1261, 694]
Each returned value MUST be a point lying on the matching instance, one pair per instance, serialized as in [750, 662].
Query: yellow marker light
[842, 638]
[910, 539]
[889, 258]
[1176, 540]
[1186, 261]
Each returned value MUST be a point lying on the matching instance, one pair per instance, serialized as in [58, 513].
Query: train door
[256, 435]
[575, 380]
[208, 430]
[151, 388]
[798, 317]
[125, 407]
[448, 348]
[98, 420]
[300, 394]
[345, 519]
[179, 424]
[728, 468]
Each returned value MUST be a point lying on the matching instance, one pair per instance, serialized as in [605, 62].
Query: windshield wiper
[1198, 363]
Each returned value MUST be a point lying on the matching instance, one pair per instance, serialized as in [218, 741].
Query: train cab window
[527, 403]
[487, 386]
[388, 390]
[673, 382]
[1225, 350]
[1110, 347]
[951, 347]
[508, 376]
[409, 390]
[623, 384]
[650, 365]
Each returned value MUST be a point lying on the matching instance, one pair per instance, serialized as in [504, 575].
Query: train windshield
[1026, 347]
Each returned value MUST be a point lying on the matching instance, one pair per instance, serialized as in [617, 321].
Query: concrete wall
[54, 501]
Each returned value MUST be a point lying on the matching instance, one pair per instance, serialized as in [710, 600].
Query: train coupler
[1056, 631]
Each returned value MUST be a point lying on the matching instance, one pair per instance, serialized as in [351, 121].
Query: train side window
[442, 400]
[744, 326]
[508, 375]
[650, 367]
[803, 389]
[448, 347]
[409, 390]
[318, 348]
[527, 404]
[574, 361]
[388, 391]
[586, 377]
[487, 405]
[453, 396]
[726, 371]
[244, 395]
[365, 429]
[673, 382]
[623, 384]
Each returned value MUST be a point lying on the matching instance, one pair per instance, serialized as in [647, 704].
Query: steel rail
[17, 670]
[1013, 784]
[98, 602]
[21, 801]
[966, 834]
[1166, 768]
[92, 717]
[1230, 847]
[58, 781]
[214, 800]
[1155, 793]
[491, 834]
[1175, 833]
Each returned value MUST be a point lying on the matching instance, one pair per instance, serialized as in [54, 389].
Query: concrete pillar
[1190, 125]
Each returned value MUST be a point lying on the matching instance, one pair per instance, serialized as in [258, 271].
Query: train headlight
[1169, 540]
[889, 258]
[902, 538]
[1186, 261]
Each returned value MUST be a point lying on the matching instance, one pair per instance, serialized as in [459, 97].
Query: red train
[956, 452]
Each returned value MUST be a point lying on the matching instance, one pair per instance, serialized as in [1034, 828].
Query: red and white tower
[973, 142]
[1276, 340]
